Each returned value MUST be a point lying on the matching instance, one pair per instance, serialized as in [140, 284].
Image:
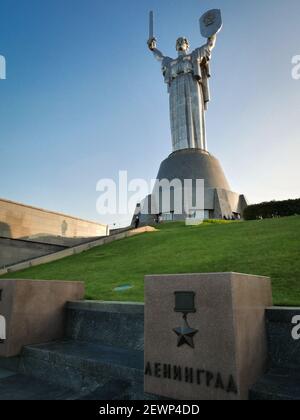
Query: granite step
[112, 390]
[18, 387]
[279, 384]
[107, 323]
[83, 366]
[4, 373]
[282, 381]
[121, 391]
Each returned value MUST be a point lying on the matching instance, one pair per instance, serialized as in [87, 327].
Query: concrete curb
[75, 250]
[110, 307]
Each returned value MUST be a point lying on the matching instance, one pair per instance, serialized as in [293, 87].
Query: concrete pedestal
[192, 164]
[34, 311]
[220, 350]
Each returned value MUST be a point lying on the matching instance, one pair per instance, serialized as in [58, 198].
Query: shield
[211, 23]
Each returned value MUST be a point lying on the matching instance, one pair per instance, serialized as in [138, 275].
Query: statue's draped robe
[187, 79]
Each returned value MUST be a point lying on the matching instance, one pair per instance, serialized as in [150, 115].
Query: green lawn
[269, 247]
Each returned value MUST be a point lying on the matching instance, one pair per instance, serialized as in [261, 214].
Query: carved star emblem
[185, 336]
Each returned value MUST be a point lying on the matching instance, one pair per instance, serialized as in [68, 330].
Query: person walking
[137, 221]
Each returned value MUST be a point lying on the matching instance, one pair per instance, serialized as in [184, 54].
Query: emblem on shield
[211, 23]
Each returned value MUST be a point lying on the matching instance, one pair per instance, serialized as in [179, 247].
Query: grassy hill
[269, 247]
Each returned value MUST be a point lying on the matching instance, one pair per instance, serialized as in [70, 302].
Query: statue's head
[182, 44]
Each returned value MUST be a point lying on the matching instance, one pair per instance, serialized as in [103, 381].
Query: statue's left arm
[211, 43]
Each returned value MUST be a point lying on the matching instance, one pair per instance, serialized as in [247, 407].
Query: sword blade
[151, 25]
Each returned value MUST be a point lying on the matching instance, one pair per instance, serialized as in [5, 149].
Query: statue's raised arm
[152, 44]
[152, 41]
[210, 24]
[211, 42]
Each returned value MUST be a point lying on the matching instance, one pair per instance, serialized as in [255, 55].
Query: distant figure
[64, 228]
[137, 221]
[156, 220]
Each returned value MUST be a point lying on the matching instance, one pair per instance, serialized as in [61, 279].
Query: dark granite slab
[82, 366]
[284, 350]
[108, 324]
[278, 384]
[19, 387]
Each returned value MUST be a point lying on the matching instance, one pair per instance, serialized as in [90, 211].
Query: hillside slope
[268, 247]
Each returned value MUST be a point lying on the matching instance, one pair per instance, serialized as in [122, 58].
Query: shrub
[217, 221]
[272, 209]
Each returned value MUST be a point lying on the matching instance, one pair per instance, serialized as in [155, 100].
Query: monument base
[194, 164]
[205, 335]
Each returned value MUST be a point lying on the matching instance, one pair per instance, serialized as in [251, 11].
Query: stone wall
[27, 232]
[13, 251]
[18, 221]
[35, 311]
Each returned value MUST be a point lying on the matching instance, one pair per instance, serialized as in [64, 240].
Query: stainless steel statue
[187, 78]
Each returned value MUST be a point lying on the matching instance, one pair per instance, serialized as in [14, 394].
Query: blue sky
[84, 98]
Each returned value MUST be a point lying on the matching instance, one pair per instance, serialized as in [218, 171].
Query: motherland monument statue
[187, 78]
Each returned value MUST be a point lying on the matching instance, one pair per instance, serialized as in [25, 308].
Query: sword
[151, 25]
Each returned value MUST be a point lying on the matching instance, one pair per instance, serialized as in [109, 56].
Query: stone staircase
[282, 381]
[100, 358]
